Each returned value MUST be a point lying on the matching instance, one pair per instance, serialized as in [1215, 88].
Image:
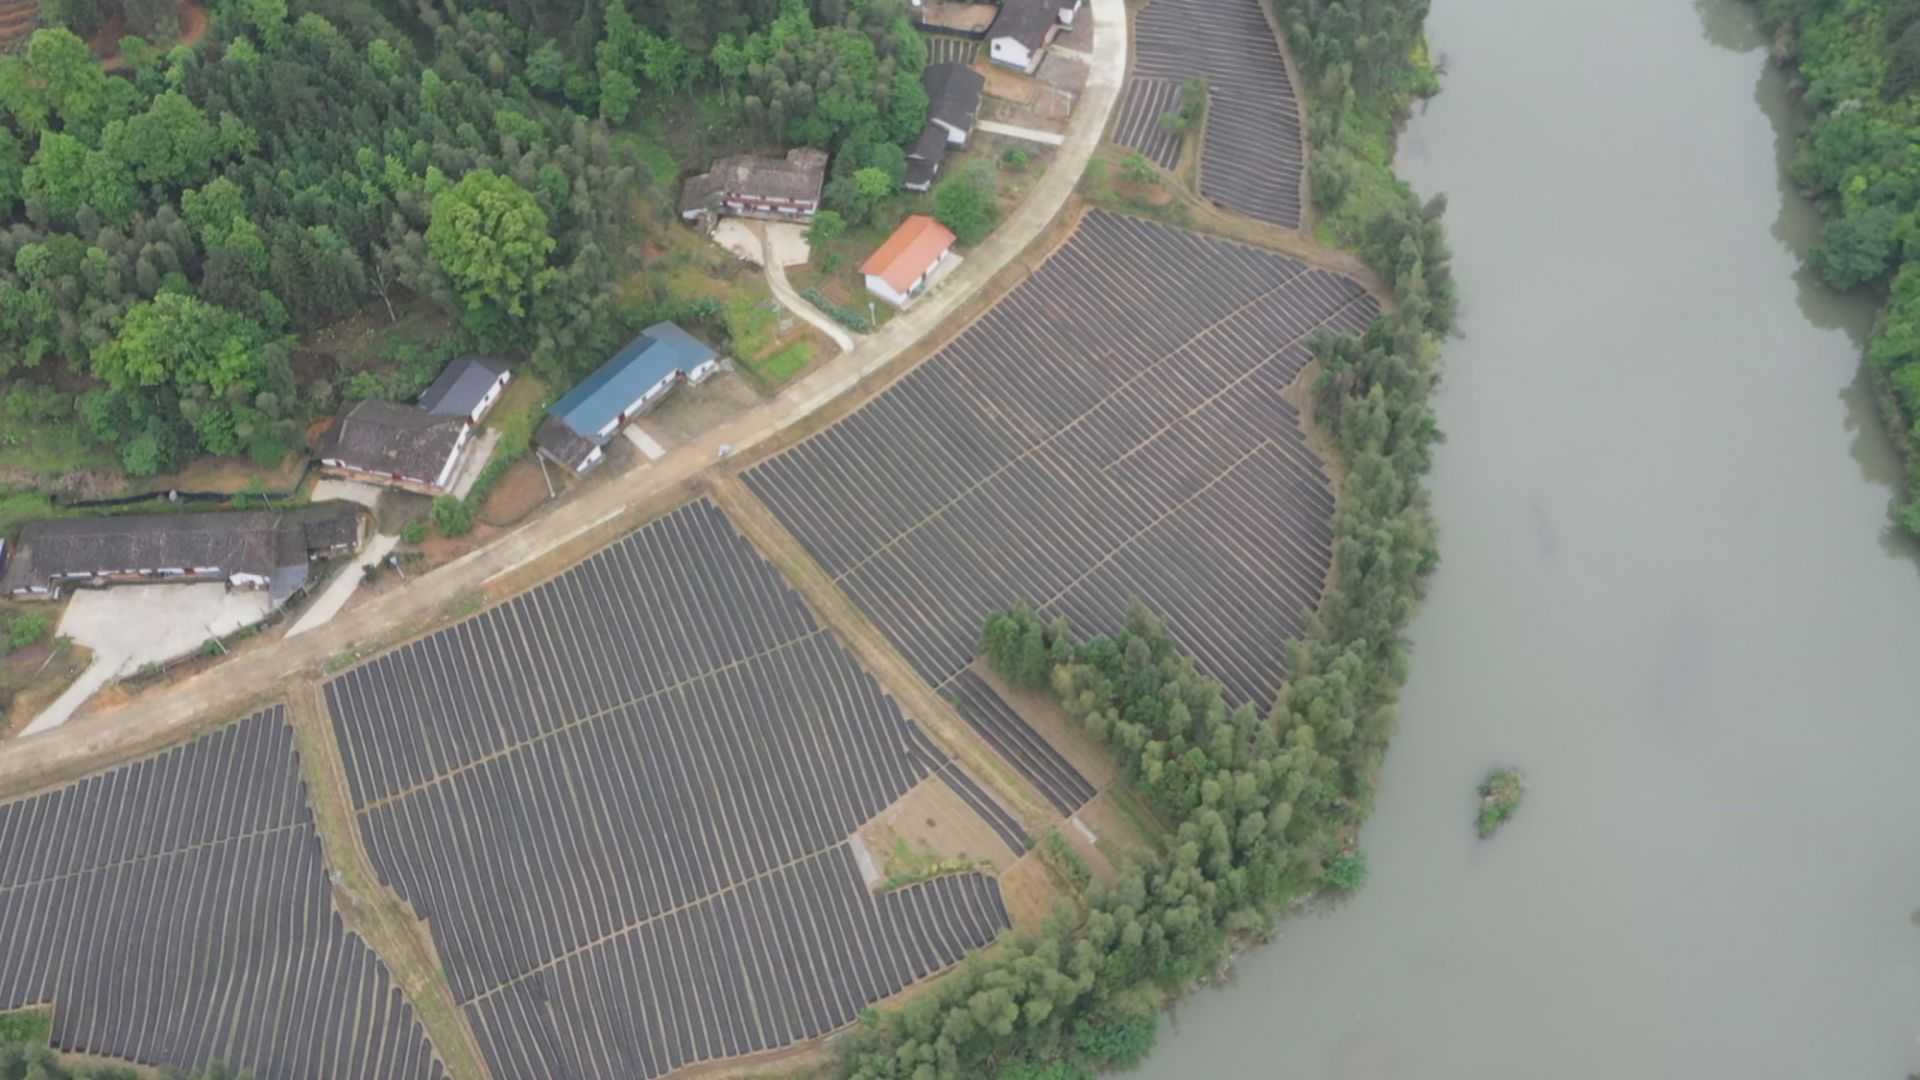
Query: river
[1668, 591]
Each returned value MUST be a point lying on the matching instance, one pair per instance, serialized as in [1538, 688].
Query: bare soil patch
[518, 493]
[932, 821]
[106, 44]
[1029, 890]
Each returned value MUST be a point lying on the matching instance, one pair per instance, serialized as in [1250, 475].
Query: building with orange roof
[903, 266]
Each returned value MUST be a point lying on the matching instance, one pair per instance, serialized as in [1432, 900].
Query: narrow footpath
[162, 717]
[794, 302]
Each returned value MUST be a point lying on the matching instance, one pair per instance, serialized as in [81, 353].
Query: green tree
[490, 237]
[1857, 248]
[413, 532]
[1136, 168]
[450, 515]
[967, 202]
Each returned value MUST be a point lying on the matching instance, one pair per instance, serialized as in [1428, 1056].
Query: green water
[1668, 592]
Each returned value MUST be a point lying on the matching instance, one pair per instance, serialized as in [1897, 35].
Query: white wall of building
[481, 410]
[1006, 50]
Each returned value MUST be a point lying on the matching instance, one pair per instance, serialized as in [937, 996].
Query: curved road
[162, 717]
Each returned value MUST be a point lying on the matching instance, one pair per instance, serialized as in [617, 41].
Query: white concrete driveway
[338, 591]
[128, 626]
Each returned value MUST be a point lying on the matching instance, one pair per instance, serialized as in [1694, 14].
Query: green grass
[22, 507]
[51, 449]
[659, 160]
[33, 1026]
[782, 365]
[750, 326]
[1057, 853]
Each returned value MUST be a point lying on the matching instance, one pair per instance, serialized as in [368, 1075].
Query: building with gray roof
[262, 549]
[396, 445]
[467, 387]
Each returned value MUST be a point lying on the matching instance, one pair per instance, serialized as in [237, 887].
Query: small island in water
[1499, 797]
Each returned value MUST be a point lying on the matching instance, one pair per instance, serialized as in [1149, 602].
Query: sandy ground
[127, 626]
[748, 240]
[649, 447]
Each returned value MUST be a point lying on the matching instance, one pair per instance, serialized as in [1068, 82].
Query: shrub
[1059, 854]
[1136, 168]
[1499, 797]
[413, 532]
[450, 516]
[967, 202]
[851, 318]
[1856, 249]
[1015, 158]
[1346, 872]
[25, 630]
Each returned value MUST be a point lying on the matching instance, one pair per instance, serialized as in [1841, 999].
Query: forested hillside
[174, 228]
[1858, 62]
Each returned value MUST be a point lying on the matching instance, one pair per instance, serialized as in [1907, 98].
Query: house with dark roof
[903, 266]
[953, 99]
[396, 445]
[637, 378]
[925, 155]
[745, 185]
[1023, 31]
[254, 549]
[467, 387]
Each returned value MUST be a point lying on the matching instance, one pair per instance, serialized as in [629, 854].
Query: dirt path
[794, 302]
[369, 908]
[877, 654]
[598, 514]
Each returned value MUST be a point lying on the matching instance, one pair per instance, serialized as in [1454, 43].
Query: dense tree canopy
[310, 157]
[1859, 62]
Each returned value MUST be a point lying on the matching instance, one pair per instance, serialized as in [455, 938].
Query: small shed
[467, 387]
[899, 271]
[924, 158]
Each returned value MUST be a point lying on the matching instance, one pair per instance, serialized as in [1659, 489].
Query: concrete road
[164, 714]
[130, 625]
[338, 591]
[1045, 138]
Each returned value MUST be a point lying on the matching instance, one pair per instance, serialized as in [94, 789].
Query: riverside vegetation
[1857, 63]
[1263, 807]
[1500, 796]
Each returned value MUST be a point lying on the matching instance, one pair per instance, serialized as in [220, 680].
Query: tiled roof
[380, 436]
[458, 390]
[909, 252]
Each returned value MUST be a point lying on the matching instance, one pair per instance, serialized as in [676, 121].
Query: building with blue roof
[580, 424]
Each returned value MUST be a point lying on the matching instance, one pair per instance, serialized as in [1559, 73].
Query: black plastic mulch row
[1015, 740]
[1004, 824]
[786, 957]
[177, 911]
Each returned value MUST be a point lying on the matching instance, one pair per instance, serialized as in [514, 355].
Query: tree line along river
[1668, 591]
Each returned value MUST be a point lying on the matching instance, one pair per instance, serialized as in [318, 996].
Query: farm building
[953, 99]
[396, 445]
[254, 549]
[638, 378]
[776, 189]
[901, 268]
[924, 157]
[468, 387]
[1023, 31]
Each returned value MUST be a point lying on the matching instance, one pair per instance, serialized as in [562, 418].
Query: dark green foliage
[26, 1026]
[1859, 61]
[450, 516]
[27, 1061]
[1500, 796]
[1060, 855]
[25, 630]
[413, 532]
[1346, 872]
[1858, 248]
[1192, 108]
[852, 318]
[967, 202]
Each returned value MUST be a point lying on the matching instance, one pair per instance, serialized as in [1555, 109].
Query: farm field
[1142, 103]
[1044, 767]
[623, 798]
[1113, 429]
[176, 911]
[1253, 158]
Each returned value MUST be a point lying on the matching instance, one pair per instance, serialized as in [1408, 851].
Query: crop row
[1253, 159]
[1114, 429]
[778, 960]
[176, 911]
[584, 786]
